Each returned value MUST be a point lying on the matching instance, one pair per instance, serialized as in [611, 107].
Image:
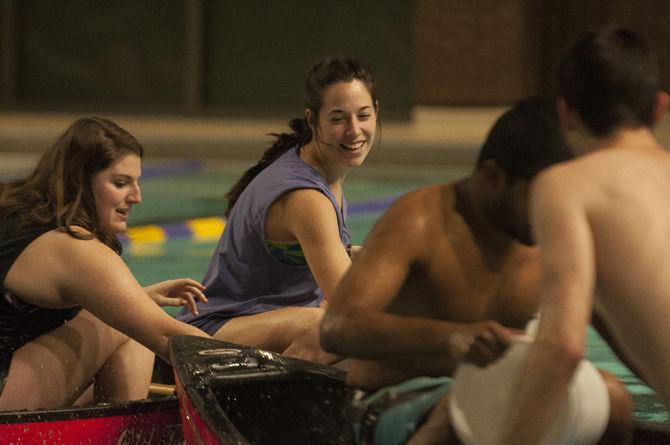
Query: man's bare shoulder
[570, 175]
[594, 179]
[425, 198]
[623, 158]
[607, 169]
[561, 187]
[414, 219]
[421, 206]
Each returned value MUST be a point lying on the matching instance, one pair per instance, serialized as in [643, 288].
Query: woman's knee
[54, 369]
[306, 343]
[309, 321]
[275, 330]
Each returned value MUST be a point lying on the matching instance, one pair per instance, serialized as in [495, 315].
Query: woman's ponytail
[300, 136]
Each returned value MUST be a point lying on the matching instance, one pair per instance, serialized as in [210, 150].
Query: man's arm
[356, 323]
[563, 233]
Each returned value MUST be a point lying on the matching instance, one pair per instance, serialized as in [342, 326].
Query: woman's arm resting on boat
[57, 270]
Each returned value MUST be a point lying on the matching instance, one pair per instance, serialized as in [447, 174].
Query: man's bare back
[623, 193]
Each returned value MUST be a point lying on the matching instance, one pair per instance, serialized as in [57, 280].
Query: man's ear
[493, 174]
[566, 119]
[661, 107]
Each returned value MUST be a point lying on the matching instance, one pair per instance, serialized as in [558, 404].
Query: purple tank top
[243, 278]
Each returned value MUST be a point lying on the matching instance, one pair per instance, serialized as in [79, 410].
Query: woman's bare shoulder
[79, 241]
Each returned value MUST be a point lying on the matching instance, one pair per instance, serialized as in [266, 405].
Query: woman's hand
[178, 292]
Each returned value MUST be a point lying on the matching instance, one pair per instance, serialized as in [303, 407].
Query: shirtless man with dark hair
[603, 224]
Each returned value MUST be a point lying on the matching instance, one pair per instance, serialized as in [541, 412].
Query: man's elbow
[332, 330]
[569, 355]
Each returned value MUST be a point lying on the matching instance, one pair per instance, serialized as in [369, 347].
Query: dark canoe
[154, 421]
[232, 394]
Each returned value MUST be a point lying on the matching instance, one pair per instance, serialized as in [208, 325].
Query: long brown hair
[59, 191]
[325, 73]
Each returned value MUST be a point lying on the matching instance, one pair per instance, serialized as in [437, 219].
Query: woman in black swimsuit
[71, 313]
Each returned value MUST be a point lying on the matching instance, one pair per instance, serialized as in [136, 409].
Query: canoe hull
[233, 394]
[148, 422]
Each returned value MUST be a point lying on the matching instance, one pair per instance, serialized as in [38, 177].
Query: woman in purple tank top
[286, 245]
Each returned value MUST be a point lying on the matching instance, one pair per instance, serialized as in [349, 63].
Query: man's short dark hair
[610, 77]
[526, 139]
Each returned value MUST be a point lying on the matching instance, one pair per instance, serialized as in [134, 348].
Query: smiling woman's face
[347, 122]
[115, 190]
